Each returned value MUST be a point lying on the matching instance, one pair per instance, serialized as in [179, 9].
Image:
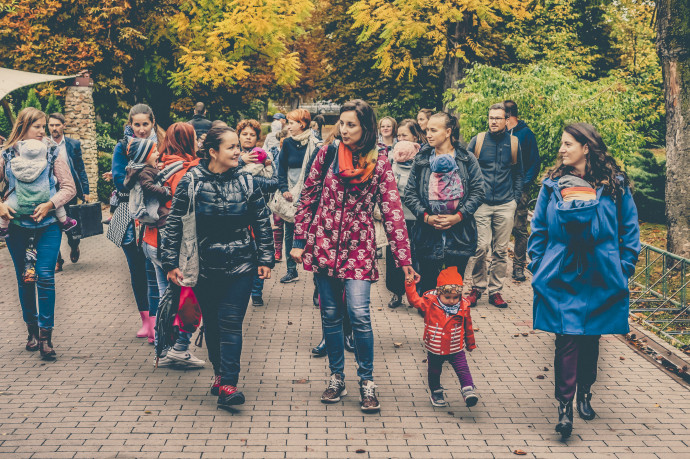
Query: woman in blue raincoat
[584, 246]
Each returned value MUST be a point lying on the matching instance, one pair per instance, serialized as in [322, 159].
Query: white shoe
[164, 361]
[185, 357]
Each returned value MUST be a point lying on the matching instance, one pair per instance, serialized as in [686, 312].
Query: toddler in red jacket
[447, 329]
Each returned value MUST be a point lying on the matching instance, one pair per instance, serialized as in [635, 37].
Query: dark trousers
[223, 302]
[575, 364]
[520, 232]
[430, 269]
[289, 236]
[395, 277]
[459, 363]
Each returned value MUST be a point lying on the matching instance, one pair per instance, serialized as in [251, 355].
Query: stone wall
[81, 125]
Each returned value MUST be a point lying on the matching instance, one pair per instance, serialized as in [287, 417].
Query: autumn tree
[673, 36]
[459, 32]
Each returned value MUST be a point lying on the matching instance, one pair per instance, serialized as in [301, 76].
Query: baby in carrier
[263, 167]
[32, 170]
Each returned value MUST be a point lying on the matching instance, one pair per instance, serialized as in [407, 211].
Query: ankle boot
[151, 324]
[350, 343]
[584, 409]
[144, 330]
[565, 419]
[320, 350]
[45, 343]
[32, 339]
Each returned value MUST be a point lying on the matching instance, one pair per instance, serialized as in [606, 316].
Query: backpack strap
[514, 143]
[479, 144]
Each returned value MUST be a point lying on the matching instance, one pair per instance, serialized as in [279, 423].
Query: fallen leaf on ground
[424, 361]
[519, 452]
[541, 377]
[397, 344]
[289, 323]
[622, 358]
[546, 368]
[475, 329]
[516, 335]
[300, 381]
[361, 451]
[380, 309]
[147, 412]
[525, 334]
[451, 413]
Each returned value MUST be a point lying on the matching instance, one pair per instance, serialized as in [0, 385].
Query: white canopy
[15, 79]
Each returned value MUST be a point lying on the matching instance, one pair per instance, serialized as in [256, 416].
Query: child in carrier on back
[143, 169]
[447, 328]
[33, 186]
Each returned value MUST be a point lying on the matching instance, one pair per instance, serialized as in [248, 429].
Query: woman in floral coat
[334, 238]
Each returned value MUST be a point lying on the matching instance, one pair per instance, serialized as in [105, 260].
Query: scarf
[303, 137]
[355, 175]
[452, 309]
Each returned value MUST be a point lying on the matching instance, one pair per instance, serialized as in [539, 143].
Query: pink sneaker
[68, 224]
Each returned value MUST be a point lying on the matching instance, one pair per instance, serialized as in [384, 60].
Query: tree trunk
[454, 67]
[673, 36]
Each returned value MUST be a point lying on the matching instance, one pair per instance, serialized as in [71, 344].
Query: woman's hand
[42, 210]
[6, 211]
[432, 220]
[250, 158]
[108, 176]
[296, 254]
[288, 196]
[175, 276]
[446, 221]
[264, 272]
[410, 274]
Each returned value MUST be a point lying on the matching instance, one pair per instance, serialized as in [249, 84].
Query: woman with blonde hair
[388, 131]
[34, 235]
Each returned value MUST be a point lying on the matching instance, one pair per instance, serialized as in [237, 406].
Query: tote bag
[189, 249]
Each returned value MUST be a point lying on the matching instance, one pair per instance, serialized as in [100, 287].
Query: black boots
[395, 301]
[320, 350]
[584, 409]
[45, 343]
[32, 339]
[565, 419]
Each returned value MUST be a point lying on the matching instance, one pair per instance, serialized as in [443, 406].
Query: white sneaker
[185, 357]
[164, 361]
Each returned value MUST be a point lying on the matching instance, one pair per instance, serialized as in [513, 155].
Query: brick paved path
[103, 398]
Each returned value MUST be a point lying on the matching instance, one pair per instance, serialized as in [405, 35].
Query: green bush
[105, 189]
[5, 125]
[648, 174]
[53, 105]
[32, 100]
[548, 99]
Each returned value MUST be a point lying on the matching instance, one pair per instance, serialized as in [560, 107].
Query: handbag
[280, 206]
[189, 248]
[89, 219]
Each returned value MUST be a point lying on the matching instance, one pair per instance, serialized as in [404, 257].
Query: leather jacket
[232, 223]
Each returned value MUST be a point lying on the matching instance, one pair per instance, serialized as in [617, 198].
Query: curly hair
[601, 168]
[254, 124]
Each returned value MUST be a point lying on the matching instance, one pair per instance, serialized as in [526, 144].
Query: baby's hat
[32, 149]
[449, 281]
[139, 150]
[262, 154]
[404, 151]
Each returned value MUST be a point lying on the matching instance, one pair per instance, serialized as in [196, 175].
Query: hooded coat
[582, 253]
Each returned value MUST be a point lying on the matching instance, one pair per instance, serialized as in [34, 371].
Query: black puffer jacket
[224, 216]
[429, 243]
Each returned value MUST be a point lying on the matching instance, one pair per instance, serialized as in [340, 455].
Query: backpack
[514, 142]
[143, 208]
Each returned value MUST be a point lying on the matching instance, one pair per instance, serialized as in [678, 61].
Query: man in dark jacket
[500, 161]
[531, 163]
[71, 148]
[199, 122]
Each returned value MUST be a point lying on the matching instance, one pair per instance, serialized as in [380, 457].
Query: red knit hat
[449, 280]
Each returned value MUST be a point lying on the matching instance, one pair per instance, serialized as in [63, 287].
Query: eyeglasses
[494, 118]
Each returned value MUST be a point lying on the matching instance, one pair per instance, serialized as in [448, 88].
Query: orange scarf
[365, 165]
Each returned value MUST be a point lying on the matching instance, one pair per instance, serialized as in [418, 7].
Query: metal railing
[659, 294]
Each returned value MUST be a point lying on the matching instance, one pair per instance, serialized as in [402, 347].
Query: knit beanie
[449, 281]
[139, 150]
[404, 151]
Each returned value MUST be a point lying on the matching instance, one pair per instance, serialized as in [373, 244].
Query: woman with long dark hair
[444, 190]
[235, 242]
[34, 233]
[584, 246]
[334, 237]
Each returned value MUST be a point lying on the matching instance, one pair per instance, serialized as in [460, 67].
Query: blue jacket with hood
[582, 253]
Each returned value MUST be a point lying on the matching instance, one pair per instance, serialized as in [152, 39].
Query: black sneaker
[367, 397]
[257, 300]
[437, 398]
[395, 301]
[229, 396]
[335, 390]
[291, 276]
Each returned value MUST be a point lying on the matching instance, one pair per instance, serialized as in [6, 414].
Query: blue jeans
[156, 283]
[47, 243]
[137, 269]
[224, 302]
[356, 294]
[289, 236]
